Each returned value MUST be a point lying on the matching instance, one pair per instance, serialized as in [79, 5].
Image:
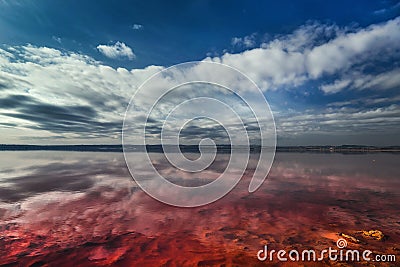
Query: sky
[329, 70]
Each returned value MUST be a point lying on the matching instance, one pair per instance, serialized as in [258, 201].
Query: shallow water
[84, 209]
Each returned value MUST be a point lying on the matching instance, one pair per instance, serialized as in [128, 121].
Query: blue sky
[329, 70]
[172, 32]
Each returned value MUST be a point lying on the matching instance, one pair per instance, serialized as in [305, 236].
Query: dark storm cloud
[14, 101]
[8, 124]
[200, 132]
[56, 118]
[189, 133]
[196, 130]
[154, 128]
[29, 105]
[5, 83]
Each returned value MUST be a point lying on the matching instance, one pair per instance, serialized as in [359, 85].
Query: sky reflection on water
[84, 209]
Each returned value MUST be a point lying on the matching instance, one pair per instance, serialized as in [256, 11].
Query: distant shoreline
[194, 148]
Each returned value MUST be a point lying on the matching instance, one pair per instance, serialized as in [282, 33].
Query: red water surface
[83, 209]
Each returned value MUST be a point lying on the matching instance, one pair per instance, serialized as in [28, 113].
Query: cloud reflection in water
[83, 208]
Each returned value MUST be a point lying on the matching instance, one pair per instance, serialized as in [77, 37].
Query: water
[83, 209]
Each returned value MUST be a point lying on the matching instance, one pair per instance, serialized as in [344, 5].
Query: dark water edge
[195, 149]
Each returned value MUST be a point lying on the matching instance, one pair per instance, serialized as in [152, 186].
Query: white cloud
[137, 26]
[117, 51]
[244, 42]
[93, 97]
[388, 9]
[340, 121]
[352, 48]
[359, 81]
[315, 51]
[337, 86]
[50, 93]
[381, 81]
[305, 37]
[236, 40]
[57, 39]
